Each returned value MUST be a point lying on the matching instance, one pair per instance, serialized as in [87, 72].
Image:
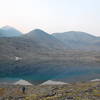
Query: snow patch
[18, 58]
[22, 82]
[95, 80]
[51, 82]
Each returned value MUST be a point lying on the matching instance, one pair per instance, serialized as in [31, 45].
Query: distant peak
[9, 31]
[7, 27]
[38, 31]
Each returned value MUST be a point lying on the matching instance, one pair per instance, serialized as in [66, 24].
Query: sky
[51, 15]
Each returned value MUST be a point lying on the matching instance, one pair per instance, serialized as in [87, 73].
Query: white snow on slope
[22, 82]
[95, 80]
[51, 82]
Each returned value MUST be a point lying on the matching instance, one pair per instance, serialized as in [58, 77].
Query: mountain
[8, 31]
[78, 40]
[38, 56]
[28, 54]
[45, 40]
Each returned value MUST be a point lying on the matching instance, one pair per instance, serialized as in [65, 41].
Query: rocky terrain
[72, 91]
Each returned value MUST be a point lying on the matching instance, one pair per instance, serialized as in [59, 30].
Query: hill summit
[8, 31]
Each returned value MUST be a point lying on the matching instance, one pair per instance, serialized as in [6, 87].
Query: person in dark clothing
[23, 89]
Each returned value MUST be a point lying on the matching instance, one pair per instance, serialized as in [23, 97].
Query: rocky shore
[72, 91]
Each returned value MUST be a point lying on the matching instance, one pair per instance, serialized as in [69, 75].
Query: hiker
[23, 89]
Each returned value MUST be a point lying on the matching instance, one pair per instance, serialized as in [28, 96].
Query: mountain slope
[8, 31]
[36, 56]
[44, 39]
[78, 40]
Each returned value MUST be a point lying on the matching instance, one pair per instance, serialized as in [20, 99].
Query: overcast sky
[51, 15]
